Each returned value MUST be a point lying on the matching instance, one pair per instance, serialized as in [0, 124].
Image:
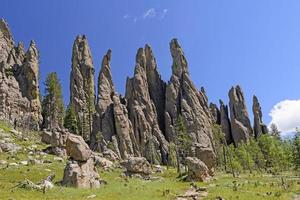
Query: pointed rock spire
[259, 127]
[182, 98]
[143, 115]
[214, 110]
[225, 122]
[82, 85]
[156, 86]
[179, 62]
[240, 123]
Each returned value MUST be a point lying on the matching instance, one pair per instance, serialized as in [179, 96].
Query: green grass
[250, 187]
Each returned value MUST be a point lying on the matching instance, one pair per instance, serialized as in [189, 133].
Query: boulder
[77, 149]
[197, 170]
[81, 175]
[137, 165]
[46, 137]
[9, 147]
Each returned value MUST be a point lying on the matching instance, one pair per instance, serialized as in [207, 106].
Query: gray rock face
[137, 165]
[124, 131]
[183, 98]
[19, 82]
[103, 124]
[214, 110]
[156, 86]
[82, 85]
[240, 123]
[259, 127]
[197, 170]
[225, 122]
[81, 175]
[150, 141]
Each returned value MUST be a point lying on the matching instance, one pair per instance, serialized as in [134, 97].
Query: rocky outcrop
[150, 140]
[259, 127]
[103, 124]
[82, 86]
[197, 170]
[80, 171]
[214, 110]
[156, 86]
[19, 82]
[182, 98]
[240, 123]
[225, 123]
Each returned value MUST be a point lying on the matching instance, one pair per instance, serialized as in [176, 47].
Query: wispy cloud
[164, 12]
[150, 13]
[126, 16]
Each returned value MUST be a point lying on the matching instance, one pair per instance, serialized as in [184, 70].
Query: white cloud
[150, 13]
[286, 115]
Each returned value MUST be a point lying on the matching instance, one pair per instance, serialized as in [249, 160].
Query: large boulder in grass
[46, 137]
[137, 165]
[197, 170]
[81, 175]
[77, 149]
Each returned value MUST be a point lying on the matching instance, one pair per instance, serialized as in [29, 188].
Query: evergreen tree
[296, 149]
[274, 131]
[70, 121]
[52, 104]
[183, 142]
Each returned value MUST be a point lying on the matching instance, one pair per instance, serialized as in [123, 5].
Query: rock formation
[112, 127]
[156, 86]
[19, 82]
[197, 170]
[225, 123]
[214, 110]
[82, 86]
[259, 127]
[103, 124]
[80, 171]
[240, 123]
[182, 98]
[137, 165]
[150, 140]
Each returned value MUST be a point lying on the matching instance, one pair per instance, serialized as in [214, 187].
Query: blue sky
[252, 43]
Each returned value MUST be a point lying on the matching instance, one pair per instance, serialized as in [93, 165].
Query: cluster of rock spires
[140, 124]
[19, 81]
[238, 127]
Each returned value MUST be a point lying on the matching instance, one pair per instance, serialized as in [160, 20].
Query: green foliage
[52, 104]
[70, 121]
[172, 155]
[296, 150]
[183, 142]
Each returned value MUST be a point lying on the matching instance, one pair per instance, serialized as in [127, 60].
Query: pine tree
[274, 131]
[52, 104]
[70, 121]
[183, 142]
